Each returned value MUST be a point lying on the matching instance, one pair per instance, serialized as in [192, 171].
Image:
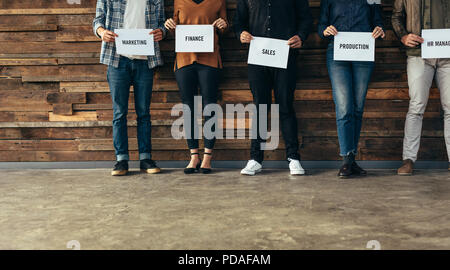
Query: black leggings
[190, 79]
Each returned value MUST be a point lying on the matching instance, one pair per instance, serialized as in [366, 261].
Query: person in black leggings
[199, 70]
[189, 79]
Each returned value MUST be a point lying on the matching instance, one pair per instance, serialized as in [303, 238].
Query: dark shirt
[281, 19]
[437, 15]
[349, 16]
[198, 1]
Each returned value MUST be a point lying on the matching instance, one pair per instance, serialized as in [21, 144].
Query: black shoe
[206, 170]
[120, 168]
[149, 166]
[358, 170]
[193, 170]
[345, 171]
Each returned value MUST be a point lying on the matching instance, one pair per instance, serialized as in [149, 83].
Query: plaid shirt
[110, 15]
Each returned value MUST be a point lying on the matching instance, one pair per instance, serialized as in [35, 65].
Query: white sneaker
[253, 167]
[295, 167]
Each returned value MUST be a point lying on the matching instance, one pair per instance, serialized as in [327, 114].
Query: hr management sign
[436, 44]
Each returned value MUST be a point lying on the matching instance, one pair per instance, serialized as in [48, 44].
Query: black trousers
[190, 79]
[283, 82]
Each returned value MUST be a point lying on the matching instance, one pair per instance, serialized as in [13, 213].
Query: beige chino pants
[421, 73]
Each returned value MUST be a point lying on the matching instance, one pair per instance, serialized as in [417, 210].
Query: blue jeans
[136, 73]
[349, 81]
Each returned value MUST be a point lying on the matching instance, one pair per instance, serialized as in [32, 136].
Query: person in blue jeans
[125, 71]
[349, 80]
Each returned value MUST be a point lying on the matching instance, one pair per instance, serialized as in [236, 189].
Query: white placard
[354, 46]
[436, 44]
[268, 52]
[194, 38]
[134, 42]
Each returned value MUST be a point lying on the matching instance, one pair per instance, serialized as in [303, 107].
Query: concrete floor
[44, 209]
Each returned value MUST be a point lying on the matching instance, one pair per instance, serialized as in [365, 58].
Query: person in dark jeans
[349, 80]
[199, 70]
[125, 71]
[289, 20]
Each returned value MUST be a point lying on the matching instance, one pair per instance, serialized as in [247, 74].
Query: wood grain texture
[55, 103]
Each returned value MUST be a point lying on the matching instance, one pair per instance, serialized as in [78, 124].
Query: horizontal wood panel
[55, 103]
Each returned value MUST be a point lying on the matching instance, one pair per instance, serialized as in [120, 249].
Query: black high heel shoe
[193, 170]
[206, 170]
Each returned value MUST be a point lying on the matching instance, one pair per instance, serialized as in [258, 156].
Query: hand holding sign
[246, 37]
[170, 24]
[295, 42]
[378, 32]
[157, 35]
[106, 35]
[220, 24]
[330, 31]
[412, 40]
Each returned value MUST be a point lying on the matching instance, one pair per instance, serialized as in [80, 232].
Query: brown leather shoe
[120, 168]
[407, 168]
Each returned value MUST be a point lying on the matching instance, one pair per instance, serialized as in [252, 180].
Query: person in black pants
[189, 78]
[199, 70]
[280, 19]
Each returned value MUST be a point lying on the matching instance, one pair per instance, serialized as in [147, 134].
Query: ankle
[206, 163]
[349, 159]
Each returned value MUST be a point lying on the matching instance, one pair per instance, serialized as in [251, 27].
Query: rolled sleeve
[305, 21]
[240, 22]
[324, 20]
[100, 16]
[377, 16]
[399, 18]
[162, 18]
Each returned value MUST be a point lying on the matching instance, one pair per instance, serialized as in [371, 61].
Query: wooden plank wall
[55, 105]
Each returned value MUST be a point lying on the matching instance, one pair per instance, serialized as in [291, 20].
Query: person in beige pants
[408, 19]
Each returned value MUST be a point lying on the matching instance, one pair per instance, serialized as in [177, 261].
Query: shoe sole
[250, 174]
[151, 171]
[119, 173]
[193, 172]
[298, 173]
[404, 174]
